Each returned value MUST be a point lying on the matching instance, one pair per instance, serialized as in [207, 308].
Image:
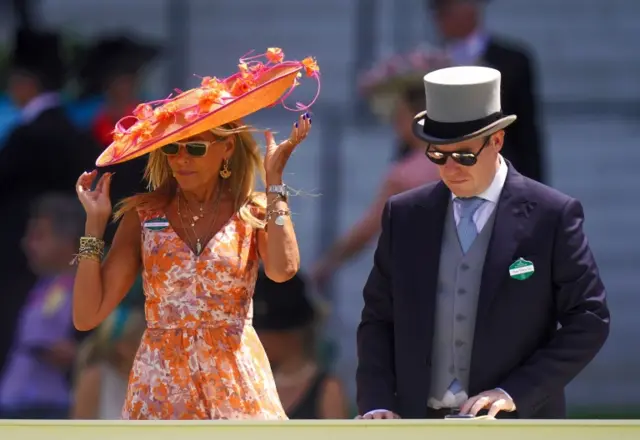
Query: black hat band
[453, 130]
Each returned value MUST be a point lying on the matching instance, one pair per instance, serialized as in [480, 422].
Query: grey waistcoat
[457, 294]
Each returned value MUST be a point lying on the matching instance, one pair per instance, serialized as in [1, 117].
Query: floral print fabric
[200, 357]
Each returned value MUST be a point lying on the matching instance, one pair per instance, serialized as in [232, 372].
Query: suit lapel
[430, 218]
[512, 213]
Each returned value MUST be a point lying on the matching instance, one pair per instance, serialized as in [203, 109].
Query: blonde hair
[245, 166]
[124, 324]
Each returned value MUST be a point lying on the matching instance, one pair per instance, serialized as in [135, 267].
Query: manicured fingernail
[296, 125]
[304, 116]
[310, 120]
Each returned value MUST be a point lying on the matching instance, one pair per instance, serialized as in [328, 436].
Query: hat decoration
[385, 82]
[263, 80]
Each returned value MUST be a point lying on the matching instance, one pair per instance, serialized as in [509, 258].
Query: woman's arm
[333, 402]
[278, 247]
[98, 289]
[87, 394]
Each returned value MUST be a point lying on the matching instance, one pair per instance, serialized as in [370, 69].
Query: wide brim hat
[216, 102]
[387, 80]
[463, 103]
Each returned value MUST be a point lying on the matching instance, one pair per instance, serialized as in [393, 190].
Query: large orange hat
[255, 86]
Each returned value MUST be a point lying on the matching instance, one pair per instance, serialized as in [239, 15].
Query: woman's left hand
[278, 155]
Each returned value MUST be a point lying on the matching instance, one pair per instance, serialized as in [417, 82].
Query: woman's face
[196, 161]
[403, 120]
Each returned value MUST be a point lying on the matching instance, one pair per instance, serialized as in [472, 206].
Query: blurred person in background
[199, 237]
[467, 42]
[104, 364]
[412, 170]
[43, 153]
[35, 381]
[112, 68]
[286, 321]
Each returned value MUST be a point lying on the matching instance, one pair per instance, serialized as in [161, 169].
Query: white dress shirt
[37, 105]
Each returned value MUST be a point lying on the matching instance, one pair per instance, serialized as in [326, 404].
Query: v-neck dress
[200, 357]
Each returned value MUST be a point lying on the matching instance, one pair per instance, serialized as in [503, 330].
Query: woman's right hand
[97, 202]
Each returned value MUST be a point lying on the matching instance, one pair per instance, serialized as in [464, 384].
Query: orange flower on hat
[310, 66]
[165, 112]
[275, 55]
[141, 131]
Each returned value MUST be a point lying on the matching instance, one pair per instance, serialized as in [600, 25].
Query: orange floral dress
[200, 357]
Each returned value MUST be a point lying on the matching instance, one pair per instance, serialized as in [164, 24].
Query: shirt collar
[38, 105]
[492, 193]
[469, 49]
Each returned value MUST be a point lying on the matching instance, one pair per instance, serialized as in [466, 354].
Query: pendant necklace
[198, 244]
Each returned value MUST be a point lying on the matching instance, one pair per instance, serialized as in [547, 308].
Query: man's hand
[378, 415]
[493, 400]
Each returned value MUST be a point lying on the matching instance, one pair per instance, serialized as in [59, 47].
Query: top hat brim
[461, 134]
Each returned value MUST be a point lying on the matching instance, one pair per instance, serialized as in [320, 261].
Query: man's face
[22, 88]
[45, 250]
[456, 18]
[469, 181]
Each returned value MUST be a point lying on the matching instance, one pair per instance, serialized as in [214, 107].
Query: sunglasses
[463, 158]
[195, 149]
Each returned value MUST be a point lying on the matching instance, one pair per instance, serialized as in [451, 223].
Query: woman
[104, 364]
[285, 320]
[410, 171]
[198, 237]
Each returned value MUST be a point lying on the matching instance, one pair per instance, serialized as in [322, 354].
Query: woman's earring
[225, 172]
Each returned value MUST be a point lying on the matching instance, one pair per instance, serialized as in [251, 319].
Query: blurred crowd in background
[62, 101]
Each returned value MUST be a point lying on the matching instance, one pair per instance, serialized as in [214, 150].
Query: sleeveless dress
[200, 357]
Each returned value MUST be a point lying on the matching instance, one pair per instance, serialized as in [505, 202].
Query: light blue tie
[467, 230]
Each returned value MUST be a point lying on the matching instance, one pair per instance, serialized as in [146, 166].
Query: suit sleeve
[375, 376]
[582, 311]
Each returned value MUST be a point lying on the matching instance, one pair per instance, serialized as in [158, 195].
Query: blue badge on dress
[156, 224]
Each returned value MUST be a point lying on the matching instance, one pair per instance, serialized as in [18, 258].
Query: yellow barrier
[323, 430]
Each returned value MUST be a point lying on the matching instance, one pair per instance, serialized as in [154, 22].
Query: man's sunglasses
[464, 158]
[195, 149]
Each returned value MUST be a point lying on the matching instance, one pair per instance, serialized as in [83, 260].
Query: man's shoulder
[545, 196]
[414, 196]
[511, 46]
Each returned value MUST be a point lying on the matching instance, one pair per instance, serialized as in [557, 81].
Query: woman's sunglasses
[464, 158]
[195, 149]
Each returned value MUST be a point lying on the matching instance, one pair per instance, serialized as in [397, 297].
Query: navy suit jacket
[532, 337]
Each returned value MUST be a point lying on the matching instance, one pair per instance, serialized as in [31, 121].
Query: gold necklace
[198, 242]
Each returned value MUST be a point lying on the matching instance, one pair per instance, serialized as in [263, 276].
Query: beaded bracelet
[91, 248]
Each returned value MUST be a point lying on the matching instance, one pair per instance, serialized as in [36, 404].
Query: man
[460, 24]
[43, 153]
[484, 294]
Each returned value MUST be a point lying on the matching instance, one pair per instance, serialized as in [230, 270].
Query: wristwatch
[280, 190]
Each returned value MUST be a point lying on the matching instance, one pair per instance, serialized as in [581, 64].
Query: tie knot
[469, 205]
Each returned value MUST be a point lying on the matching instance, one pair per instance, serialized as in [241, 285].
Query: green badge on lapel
[156, 224]
[521, 269]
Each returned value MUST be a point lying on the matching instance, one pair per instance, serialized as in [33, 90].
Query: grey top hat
[462, 103]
